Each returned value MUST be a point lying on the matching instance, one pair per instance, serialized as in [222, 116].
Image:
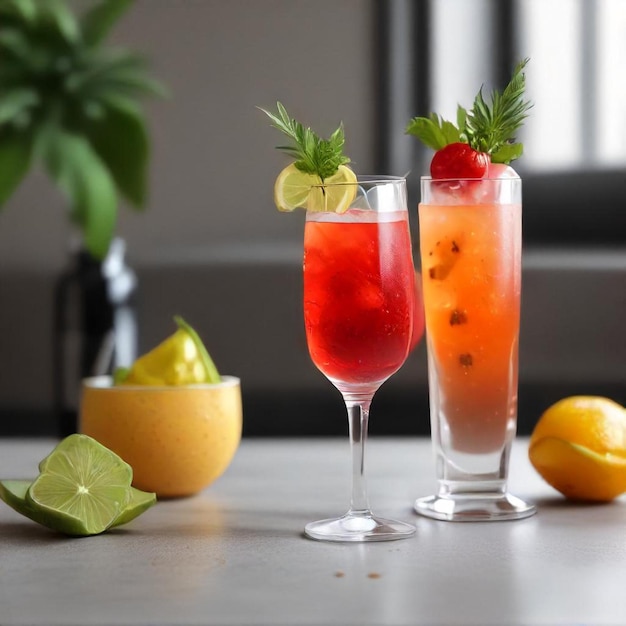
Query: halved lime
[296, 189]
[181, 359]
[13, 492]
[83, 487]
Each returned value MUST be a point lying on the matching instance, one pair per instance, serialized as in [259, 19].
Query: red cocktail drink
[358, 294]
[359, 305]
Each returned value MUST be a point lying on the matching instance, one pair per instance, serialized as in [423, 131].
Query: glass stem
[358, 415]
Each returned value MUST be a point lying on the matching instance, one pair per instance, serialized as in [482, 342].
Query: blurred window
[574, 166]
[576, 81]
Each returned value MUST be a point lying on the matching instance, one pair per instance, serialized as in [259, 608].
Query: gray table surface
[235, 554]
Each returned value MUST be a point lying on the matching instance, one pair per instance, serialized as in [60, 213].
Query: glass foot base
[358, 528]
[475, 507]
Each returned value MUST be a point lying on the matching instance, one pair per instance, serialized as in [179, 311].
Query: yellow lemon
[292, 187]
[181, 359]
[579, 447]
[296, 189]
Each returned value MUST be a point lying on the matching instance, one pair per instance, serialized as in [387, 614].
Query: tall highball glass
[359, 302]
[470, 248]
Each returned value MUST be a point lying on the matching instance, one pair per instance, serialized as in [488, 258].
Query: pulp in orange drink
[471, 265]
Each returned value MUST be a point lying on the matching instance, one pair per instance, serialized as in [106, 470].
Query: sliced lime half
[83, 487]
[13, 492]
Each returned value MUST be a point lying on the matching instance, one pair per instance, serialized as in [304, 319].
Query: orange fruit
[177, 438]
[579, 447]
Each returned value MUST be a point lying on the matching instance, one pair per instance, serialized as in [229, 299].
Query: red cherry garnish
[459, 160]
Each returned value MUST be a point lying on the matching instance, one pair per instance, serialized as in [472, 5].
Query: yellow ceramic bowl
[178, 440]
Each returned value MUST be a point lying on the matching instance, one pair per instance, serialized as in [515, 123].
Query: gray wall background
[212, 174]
[214, 163]
[211, 245]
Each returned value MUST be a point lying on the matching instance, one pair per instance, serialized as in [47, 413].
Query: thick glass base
[474, 507]
[358, 528]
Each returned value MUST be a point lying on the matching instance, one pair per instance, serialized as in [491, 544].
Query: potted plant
[72, 104]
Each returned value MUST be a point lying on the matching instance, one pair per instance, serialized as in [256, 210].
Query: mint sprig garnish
[434, 131]
[313, 154]
[487, 127]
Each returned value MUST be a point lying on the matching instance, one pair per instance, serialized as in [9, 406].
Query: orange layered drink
[470, 242]
[470, 245]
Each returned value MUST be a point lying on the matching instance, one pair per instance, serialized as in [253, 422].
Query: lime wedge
[139, 502]
[13, 492]
[83, 487]
[181, 359]
[296, 189]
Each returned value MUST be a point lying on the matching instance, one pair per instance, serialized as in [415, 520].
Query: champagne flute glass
[471, 246]
[359, 301]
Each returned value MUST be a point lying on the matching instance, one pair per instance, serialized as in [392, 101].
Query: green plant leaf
[81, 174]
[60, 16]
[507, 153]
[312, 153]
[133, 82]
[461, 118]
[25, 9]
[15, 160]
[114, 71]
[491, 125]
[15, 102]
[14, 43]
[100, 209]
[120, 138]
[79, 101]
[433, 131]
[98, 22]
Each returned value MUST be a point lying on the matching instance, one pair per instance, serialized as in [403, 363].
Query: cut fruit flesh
[578, 472]
[82, 488]
[181, 359]
[296, 189]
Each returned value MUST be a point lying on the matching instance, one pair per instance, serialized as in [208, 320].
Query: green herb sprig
[487, 127]
[313, 154]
